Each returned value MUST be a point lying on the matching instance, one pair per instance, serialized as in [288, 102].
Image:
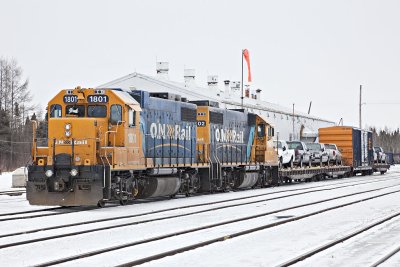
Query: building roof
[194, 92]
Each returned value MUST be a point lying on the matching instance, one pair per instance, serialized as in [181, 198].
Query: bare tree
[15, 105]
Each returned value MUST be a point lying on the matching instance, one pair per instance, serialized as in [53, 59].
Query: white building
[229, 96]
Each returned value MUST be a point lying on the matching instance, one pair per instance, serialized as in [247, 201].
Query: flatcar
[115, 145]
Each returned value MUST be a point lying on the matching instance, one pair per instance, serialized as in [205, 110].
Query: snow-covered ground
[5, 181]
[268, 247]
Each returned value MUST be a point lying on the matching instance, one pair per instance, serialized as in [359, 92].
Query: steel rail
[386, 257]
[222, 238]
[249, 231]
[172, 216]
[342, 239]
[364, 181]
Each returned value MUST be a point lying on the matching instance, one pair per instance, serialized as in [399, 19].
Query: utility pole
[359, 108]
[309, 107]
[293, 123]
[241, 84]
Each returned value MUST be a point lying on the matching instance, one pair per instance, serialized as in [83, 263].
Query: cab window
[132, 117]
[260, 130]
[97, 111]
[55, 111]
[75, 110]
[115, 114]
[271, 131]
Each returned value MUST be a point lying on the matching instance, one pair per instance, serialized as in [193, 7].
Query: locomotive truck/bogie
[115, 145]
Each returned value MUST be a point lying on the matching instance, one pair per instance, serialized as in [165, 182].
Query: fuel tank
[158, 186]
[245, 179]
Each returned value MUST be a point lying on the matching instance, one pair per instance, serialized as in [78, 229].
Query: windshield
[378, 149]
[330, 146]
[97, 111]
[76, 110]
[279, 144]
[314, 146]
[295, 145]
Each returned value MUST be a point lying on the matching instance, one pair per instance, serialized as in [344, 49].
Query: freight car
[115, 145]
[356, 146]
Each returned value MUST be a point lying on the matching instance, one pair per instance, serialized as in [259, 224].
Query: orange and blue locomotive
[115, 145]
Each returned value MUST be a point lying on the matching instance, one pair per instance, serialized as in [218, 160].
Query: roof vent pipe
[162, 69]
[258, 96]
[212, 81]
[189, 75]
[227, 88]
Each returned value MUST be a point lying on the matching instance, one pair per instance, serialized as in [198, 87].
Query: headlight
[77, 158]
[67, 133]
[49, 173]
[67, 126]
[74, 172]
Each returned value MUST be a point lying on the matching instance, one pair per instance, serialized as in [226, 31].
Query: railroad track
[386, 257]
[221, 238]
[52, 212]
[171, 216]
[17, 192]
[344, 238]
[68, 210]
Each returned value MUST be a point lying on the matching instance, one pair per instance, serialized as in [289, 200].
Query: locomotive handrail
[34, 144]
[115, 132]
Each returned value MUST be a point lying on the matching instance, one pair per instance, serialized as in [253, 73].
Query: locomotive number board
[97, 99]
[70, 99]
[201, 123]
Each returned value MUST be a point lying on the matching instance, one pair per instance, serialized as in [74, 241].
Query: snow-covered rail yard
[352, 221]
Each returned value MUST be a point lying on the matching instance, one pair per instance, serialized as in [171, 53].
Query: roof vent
[227, 89]
[162, 69]
[189, 76]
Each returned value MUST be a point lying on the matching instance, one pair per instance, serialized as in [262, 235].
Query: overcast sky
[301, 51]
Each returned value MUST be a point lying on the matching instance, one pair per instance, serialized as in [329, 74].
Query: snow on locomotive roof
[124, 96]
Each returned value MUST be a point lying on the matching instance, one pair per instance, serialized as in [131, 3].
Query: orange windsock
[247, 58]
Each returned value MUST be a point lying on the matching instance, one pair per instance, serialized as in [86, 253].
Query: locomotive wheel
[101, 204]
[123, 202]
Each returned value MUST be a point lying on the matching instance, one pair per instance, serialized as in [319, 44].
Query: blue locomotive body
[232, 135]
[168, 129]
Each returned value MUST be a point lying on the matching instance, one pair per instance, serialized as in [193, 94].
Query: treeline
[388, 139]
[16, 111]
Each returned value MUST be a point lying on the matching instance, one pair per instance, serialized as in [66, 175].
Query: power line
[383, 103]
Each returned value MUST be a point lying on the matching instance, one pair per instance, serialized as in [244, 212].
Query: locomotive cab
[263, 148]
[90, 132]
